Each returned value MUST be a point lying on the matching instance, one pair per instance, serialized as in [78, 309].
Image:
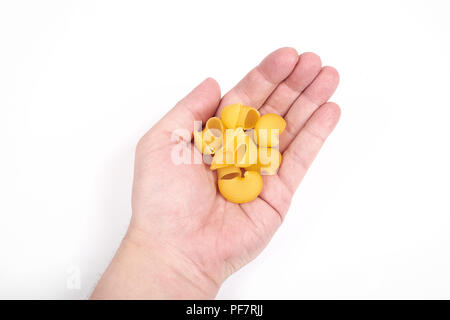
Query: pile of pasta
[243, 145]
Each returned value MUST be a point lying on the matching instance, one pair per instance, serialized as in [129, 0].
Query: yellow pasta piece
[240, 161]
[267, 130]
[238, 149]
[269, 160]
[209, 140]
[246, 151]
[237, 188]
[226, 155]
[231, 137]
[223, 158]
[221, 172]
[238, 115]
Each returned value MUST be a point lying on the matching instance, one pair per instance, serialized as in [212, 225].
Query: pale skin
[184, 238]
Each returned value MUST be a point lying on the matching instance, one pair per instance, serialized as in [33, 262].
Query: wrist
[147, 269]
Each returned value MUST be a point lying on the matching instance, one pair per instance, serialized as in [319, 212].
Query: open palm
[178, 206]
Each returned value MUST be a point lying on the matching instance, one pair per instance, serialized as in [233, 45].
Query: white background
[81, 81]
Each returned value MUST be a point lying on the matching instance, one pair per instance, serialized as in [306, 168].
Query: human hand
[184, 238]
